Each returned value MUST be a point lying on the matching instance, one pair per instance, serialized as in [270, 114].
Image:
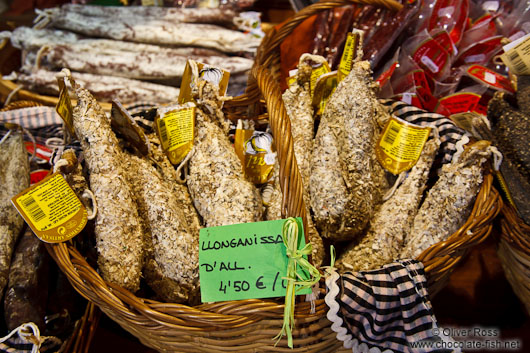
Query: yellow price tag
[400, 145]
[65, 110]
[346, 60]
[325, 86]
[517, 56]
[254, 149]
[290, 80]
[216, 76]
[316, 73]
[176, 131]
[52, 209]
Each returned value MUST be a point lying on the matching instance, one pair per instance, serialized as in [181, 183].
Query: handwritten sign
[244, 261]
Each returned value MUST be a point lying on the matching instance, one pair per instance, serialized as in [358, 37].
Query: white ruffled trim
[342, 332]
[333, 291]
[459, 146]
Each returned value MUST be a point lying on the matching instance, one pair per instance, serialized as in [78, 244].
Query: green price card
[245, 261]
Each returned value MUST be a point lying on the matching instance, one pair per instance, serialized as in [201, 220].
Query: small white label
[516, 42]
[526, 27]
[446, 11]
[490, 78]
[270, 158]
[516, 36]
[407, 98]
[478, 58]
[293, 72]
[430, 64]
[492, 6]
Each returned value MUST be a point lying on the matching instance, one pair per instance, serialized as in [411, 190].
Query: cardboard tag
[431, 57]
[214, 75]
[52, 209]
[123, 122]
[175, 128]
[400, 145]
[489, 78]
[464, 120]
[325, 86]
[517, 56]
[65, 110]
[479, 52]
[460, 102]
[348, 55]
[254, 149]
[244, 261]
[42, 153]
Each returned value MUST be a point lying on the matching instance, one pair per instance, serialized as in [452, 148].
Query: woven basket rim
[514, 231]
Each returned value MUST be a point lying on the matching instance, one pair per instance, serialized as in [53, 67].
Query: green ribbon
[290, 233]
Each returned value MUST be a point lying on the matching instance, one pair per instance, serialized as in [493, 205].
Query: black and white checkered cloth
[32, 117]
[43, 122]
[452, 137]
[381, 310]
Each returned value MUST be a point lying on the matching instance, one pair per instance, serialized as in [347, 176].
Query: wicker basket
[85, 328]
[250, 325]
[514, 253]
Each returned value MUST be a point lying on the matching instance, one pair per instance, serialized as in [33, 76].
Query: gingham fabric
[452, 137]
[43, 122]
[139, 107]
[32, 118]
[381, 310]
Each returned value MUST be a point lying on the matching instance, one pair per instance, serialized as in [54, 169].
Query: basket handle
[268, 52]
[272, 41]
[290, 180]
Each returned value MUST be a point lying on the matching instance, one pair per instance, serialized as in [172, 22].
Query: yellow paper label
[176, 131]
[65, 110]
[346, 60]
[517, 56]
[152, 3]
[400, 145]
[216, 76]
[291, 80]
[325, 87]
[254, 149]
[52, 209]
[316, 73]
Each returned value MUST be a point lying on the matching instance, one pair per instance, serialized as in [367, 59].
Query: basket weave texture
[514, 253]
[250, 325]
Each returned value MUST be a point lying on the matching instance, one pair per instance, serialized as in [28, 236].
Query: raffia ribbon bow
[290, 233]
